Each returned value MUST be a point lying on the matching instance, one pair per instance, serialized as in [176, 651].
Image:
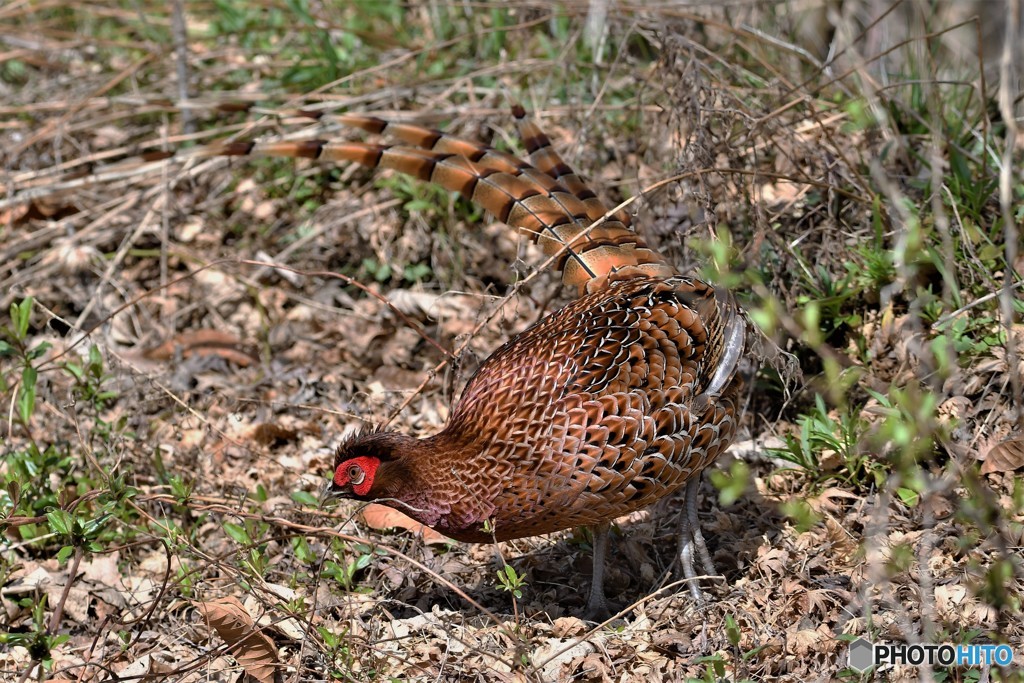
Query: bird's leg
[692, 540]
[690, 499]
[597, 606]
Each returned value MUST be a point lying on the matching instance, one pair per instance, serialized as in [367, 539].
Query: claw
[692, 540]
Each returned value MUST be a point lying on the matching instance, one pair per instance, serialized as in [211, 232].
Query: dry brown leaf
[40, 208]
[271, 434]
[782, 194]
[841, 542]
[1005, 456]
[252, 648]
[145, 668]
[190, 229]
[264, 210]
[413, 303]
[289, 627]
[14, 214]
[381, 517]
[804, 642]
[830, 460]
[103, 569]
[556, 654]
[567, 627]
[816, 602]
[771, 560]
[596, 666]
[204, 343]
[950, 599]
[831, 500]
[191, 438]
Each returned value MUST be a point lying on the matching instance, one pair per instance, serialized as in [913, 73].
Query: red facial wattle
[367, 464]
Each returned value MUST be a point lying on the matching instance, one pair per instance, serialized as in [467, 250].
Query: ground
[185, 340]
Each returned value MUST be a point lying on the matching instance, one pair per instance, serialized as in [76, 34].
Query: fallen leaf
[150, 667]
[567, 627]
[271, 434]
[949, 599]
[37, 579]
[204, 343]
[251, 647]
[1005, 456]
[15, 214]
[557, 653]
[139, 670]
[139, 592]
[104, 136]
[804, 642]
[832, 500]
[381, 517]
[413, 303]
[103, 569]
[289, 626]
[40, 208]
[191, 229]
[771, 560]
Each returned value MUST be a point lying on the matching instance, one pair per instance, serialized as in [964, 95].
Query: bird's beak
[332, 492]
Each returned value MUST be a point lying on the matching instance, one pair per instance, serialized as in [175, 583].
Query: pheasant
[615, 401]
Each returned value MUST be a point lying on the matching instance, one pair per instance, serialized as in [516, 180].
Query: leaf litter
[274, 370]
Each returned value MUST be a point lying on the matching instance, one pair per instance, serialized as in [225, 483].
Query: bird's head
[370, 466]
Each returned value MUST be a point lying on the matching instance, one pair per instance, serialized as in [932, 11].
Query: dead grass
[851, 198]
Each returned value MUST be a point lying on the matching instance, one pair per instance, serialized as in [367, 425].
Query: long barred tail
[545, 199]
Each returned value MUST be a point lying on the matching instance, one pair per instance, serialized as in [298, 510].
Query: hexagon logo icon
[862, 655]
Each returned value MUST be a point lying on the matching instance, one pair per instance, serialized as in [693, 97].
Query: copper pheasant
[613, 402]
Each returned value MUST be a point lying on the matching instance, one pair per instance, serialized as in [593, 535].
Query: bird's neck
[441, 487]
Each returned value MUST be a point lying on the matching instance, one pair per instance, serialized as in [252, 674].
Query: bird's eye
[355, 475]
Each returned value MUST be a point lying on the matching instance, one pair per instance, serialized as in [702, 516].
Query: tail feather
[548, 161]
[546, 200]
[439, 141]
[509, 198]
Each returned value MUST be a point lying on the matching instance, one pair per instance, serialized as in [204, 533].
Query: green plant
[732, 630]
[181, 489]
[338, 647]
[93, 396]
[714, 668]
[825, 301]
[345, 573]
[827, 447]
[871, 268]
[42, 478]
[251, 534]
[435, 204]
[304, 498]
[731, 484]
[971, 336]
[384, 272]
[907, 431]
[27, 492]
[303, 553]
[38, 641]
[511, 581]
[14, 345]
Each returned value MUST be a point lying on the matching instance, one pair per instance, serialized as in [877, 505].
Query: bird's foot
[601, 610]
[692, 545]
